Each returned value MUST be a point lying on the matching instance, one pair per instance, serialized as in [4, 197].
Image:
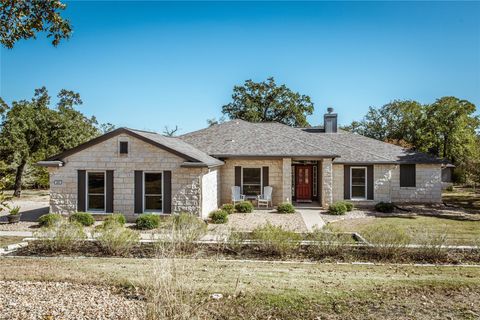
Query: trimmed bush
[218, 216]
[50, 219]
[275, 240]
[244, 207]
[147, 221]
[115, 239]
[229, 208]
[348, 205]
[337, 208]
[385, 207]
[449, 188]
[114, 217]
[286, 207]
[84, 218]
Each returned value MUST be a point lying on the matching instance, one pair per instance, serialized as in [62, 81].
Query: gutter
[50, 164]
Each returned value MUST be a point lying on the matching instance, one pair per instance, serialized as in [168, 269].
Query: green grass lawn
[464, 197]
[261, 289]
[459, 232]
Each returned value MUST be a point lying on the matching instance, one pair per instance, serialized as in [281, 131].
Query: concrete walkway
[312, 218]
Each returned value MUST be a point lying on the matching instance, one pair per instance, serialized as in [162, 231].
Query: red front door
[303, 183]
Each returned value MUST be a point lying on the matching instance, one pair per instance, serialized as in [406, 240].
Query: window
[407, 175]
[315, 182]
[96, 191]
[358, 183]
[152, 184]
[123, 147]
[252, 181]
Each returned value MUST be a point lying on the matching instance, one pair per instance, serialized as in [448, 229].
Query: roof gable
[173, 145]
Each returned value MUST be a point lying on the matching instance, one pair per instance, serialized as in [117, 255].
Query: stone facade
[327, 182]
[186, 182]
[276, 177]
[337, 182]
[387, 184]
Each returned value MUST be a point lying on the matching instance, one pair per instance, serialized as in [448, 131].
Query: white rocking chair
[236, 196]
[266, 197]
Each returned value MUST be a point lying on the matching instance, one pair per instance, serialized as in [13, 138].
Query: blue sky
[150, 64]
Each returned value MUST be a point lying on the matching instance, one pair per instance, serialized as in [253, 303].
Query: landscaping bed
[265, 250]
[249, 221]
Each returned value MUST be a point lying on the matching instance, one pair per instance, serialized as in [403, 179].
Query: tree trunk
[17, 189]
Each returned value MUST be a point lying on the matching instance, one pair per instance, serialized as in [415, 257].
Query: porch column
[287, 180]
[327, 182]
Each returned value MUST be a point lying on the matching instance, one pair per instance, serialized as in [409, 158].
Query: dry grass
[459, 232]
[259, 290]
[5, 241]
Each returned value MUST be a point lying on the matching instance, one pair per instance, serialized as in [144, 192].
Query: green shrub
[229, 208]
[84, 218]
[385, 207]
[48, 220]
[147, 221]
[114, 217]
[244, 207]
[218, 216]
[337, 208]
[115, 239]
[450, 188]
[275, 240]
[348, 205]
[286, 207]
[61, 235]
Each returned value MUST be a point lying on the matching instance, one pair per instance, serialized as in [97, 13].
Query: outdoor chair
[236, 196]
[265, 198]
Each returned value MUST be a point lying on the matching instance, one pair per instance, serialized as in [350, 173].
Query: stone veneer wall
[186, 182]
[276, 177]
[338, 182]
[327, 182]
[387, 184]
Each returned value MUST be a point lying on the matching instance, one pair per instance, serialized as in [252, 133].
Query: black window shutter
[346, 182]
[138, 192]
[238, 176]
[81, 191]
[265, 181]
[370, 182]
[109, 192]
[167, 191]
[123, 147]
[407, 175]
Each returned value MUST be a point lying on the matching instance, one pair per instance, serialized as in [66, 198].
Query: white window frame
[87, 209]
[152, 194]
[351, 184]
[261, 178]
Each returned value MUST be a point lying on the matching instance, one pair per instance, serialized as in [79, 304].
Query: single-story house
[133, 171]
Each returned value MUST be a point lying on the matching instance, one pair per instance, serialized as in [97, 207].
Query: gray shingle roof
[242, 138]
[192, 155]
[179, 146]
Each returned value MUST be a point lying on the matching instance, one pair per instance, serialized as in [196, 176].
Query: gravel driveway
[60, 300]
